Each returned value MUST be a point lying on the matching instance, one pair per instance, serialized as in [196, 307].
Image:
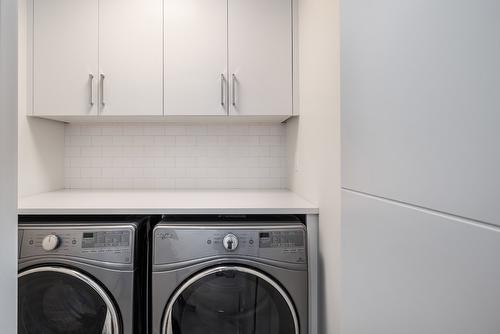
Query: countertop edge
[64, 202]
[203, 211]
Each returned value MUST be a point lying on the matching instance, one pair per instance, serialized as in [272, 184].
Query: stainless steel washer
[212, 277]
[80, 277]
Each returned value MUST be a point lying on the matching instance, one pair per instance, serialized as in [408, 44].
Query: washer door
[230, 300]
[55, 300]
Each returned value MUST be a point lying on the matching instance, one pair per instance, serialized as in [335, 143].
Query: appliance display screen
[106, 239]
[281, 239]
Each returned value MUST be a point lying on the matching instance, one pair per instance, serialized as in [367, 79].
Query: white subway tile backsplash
[91, 172]
[194, 130]
[154, 130]
[167, 156]
[109, 130]
[79, 162]
[112, 151]
[174, 130]
[71, 151]
[102, 140]
[133, 172]
[79, 140]
[164, 162]
[91, 151]
[185, 140]
[72, 172]
[164, 140]
[89, 130]
[112, 172]
[270, 140]
[133, 130]
[185, 161]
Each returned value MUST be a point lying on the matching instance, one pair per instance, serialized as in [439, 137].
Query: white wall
[41, 142]
[314, 142]
[8, 165]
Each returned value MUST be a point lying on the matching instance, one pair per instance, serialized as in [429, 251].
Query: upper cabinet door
[65, 42]
[196, 57]
[131, 57]
[260, 57]
[421, 106]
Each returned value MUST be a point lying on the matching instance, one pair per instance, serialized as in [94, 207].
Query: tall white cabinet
[97, 57]
[408, 270]
[420, 136]
[420, 106]
[65, 57]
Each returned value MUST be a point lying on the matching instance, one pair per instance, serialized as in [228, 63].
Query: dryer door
[229, 300]
[56, 300]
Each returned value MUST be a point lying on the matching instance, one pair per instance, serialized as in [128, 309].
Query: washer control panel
[107, 245]
[283, 243]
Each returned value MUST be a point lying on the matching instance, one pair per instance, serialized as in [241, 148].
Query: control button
[31, 242]
[50, 242]
[230, 242]
[73, 242]
[250, 241]
[209, 242]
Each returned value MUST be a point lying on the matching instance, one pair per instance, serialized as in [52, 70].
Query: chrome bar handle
[222, 81]
[102, 89]
[91, 78]
[234, 90]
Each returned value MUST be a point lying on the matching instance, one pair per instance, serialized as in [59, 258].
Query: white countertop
[166, 202]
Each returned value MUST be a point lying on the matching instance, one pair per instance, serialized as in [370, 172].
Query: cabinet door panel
[420, 103]
[408, 270]
[195, 57]
[260, 57]
[65, 42]
[131, 57]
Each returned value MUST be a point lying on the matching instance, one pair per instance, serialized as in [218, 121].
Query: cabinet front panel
[260, 57]
[420, 104]
[412, 271]
[131, 57]
[65, 42]
[195, 57]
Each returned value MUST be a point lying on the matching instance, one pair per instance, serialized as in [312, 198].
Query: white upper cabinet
[131, 57]
[195, 57]
[65, 57]
[162, 57]
[260, 57]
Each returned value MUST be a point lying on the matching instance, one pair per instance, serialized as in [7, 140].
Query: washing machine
[214, 276]
[82, 277]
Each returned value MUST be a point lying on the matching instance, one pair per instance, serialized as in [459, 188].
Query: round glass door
[53, 300]
[230, 300]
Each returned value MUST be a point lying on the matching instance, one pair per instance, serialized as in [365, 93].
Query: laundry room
[249, 166]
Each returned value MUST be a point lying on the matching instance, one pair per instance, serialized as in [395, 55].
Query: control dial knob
[50, 242]
[230, 242]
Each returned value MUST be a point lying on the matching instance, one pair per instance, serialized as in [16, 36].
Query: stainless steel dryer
[214, 277]
[80, 278]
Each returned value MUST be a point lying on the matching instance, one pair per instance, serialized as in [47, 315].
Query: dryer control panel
[101, 244]
[281, 243]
